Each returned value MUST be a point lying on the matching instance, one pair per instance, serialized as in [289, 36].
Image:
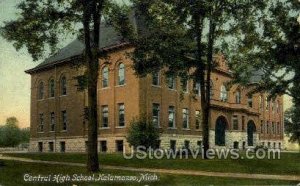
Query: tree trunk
[91, 57]
[208, 77]
[200, 75]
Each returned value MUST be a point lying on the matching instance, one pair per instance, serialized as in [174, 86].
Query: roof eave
[106, 49]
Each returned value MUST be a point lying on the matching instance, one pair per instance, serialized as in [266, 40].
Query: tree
[292, 124]
[41, 25]
[274, 51]
[142, 132]
[182, 37]
[10, 133]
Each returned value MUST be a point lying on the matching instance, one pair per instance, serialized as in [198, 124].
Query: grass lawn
[288, 164]
[12, 173]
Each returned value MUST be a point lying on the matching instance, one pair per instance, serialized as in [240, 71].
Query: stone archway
[220, 127]
[251, 129]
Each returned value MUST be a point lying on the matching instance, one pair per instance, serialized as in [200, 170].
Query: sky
[14, 82]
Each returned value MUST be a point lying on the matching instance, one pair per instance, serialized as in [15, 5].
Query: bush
[142, 132]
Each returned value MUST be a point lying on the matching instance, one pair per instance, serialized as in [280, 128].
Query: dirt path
[168, 171]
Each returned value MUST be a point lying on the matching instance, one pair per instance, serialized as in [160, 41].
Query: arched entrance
[251, 129]
[221, 125]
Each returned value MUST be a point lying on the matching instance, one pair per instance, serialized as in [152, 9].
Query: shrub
[142, 132]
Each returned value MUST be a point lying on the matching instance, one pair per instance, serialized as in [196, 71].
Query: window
[267, 103]
[121, 75]
[198, 119]
[223, 94]
[261, 126]
[63, 84]
[51, 147]
[103, 146]
[243, 123]
[64, 119]
[62, 146]
[51, 88]
[41, 90]
[52, 121]
[184, 84]
[199, 144]
[277, 107]
[186, 144]
[273, 106]
[171, 81]
[273, 127]
[238, 97]
[157, 144]
[156, 114]
[40, 146]
[104, 116]
[260, 102]
[105, 77]
[41, 123]
[121, 115]
[197, 89]
[155, 79]
[171, 117]
[211, 89]
[235, 122]
[185, 118]
[119, 145]
[267, 127]
[250, 101]
[278, 128]
[173, 145]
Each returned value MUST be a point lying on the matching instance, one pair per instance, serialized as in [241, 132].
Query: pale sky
[14, 82]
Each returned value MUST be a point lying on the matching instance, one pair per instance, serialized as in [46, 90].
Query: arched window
[51, 88]
[121, 74]
[105, 77]
[63, 85]
[41, 90]
[277, 107]
[260, 102]
[250, 101]
[238, 97]
[223, 94]
[267, 103]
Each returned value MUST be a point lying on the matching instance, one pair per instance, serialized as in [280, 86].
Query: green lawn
[13, 172]
[289, 164]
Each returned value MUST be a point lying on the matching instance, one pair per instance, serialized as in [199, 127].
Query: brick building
[57, 120]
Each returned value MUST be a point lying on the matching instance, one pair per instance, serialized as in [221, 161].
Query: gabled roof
[108, 38]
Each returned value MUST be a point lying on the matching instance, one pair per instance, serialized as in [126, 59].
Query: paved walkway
[168, 171]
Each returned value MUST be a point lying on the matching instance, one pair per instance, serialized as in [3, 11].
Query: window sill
[172, 89]
[52, 131]
[120, 127]
[186, 129]
[120, 85]
[104, 128]
[172, 128]
[51, 98]
[63, 131]
[41, 100]
[156, 86]
[63, 95]
[40, 132]
[105, 88]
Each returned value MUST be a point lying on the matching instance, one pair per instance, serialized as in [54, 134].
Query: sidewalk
[168, 171]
